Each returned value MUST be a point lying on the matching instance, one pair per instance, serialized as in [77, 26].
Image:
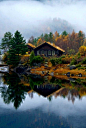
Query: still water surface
[35, 102]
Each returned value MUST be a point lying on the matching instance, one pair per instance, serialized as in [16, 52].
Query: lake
[42, 102]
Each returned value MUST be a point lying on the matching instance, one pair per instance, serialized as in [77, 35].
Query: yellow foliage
[82, 50]
[39, 41]
[26, 53]
[58, 38]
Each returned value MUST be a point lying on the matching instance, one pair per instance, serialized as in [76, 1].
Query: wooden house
[46, 90]
[30, 47]
[48, 49]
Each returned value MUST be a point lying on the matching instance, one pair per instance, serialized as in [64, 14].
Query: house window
[53, 52]
[45, 53]
[49, 52]
[57, 52]
[42, 52]
[37, 52]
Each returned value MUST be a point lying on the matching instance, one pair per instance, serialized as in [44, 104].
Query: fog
[36, 17]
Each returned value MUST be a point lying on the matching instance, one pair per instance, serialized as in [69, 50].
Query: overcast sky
[31, 17]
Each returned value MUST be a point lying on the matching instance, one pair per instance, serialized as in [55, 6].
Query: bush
[5, 58]
[59, 60]
[37, 59]
[31, 58]
[78, 65]
[79, 56]
[82, 67]
[63, 56]
[84, 61]
[53, 61]
[73, 62]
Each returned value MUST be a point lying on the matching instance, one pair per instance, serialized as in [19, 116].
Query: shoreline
[59, 72]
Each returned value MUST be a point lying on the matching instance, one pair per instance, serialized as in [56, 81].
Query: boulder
[52, 73]
[68, 74]
[80, 75]
[72, 67]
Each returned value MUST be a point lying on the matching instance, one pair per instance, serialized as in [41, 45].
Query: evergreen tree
[12, 58]
[18, 43]
[17, 47]
[31, 57]
[64, 33]
[46, 37]
[51, 37]
[6, 41]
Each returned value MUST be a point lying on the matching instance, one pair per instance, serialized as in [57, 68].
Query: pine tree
[17, 47]
[6, 41]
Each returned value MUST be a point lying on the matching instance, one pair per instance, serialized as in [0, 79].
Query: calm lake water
[35, 102]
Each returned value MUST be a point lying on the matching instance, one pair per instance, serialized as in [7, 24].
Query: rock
[68, 74]
[28, 69]
[72, 67]
[52, 73]
[80, 75]
[42, 72]
[72, 74]
[71, 79]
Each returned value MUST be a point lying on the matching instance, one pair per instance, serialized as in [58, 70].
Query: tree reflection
[49, 98]
[35, 80]
[15, 92]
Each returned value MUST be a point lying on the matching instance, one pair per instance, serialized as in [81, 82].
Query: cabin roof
[53, 45]
[33, 46]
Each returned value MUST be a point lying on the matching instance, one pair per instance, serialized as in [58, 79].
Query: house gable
[48, 49]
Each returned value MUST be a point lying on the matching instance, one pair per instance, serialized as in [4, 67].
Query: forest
[70, 42]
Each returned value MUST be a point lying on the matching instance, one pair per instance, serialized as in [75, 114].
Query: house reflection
[57, 87]
[46, 90]
[19, 87]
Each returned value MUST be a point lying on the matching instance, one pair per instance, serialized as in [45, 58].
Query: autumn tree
[81, 38]
[39, 41]
[56, 34]
[82, 50]
[73, 40]
[32, 40]
[84, 42]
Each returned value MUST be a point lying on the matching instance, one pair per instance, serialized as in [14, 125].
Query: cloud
[59, 107]
[36, 17]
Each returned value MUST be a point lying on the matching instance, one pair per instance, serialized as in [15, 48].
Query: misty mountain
[34, 17]
[52, 25]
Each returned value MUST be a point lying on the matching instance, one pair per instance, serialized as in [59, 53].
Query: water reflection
[15, 92]
[48, 87]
